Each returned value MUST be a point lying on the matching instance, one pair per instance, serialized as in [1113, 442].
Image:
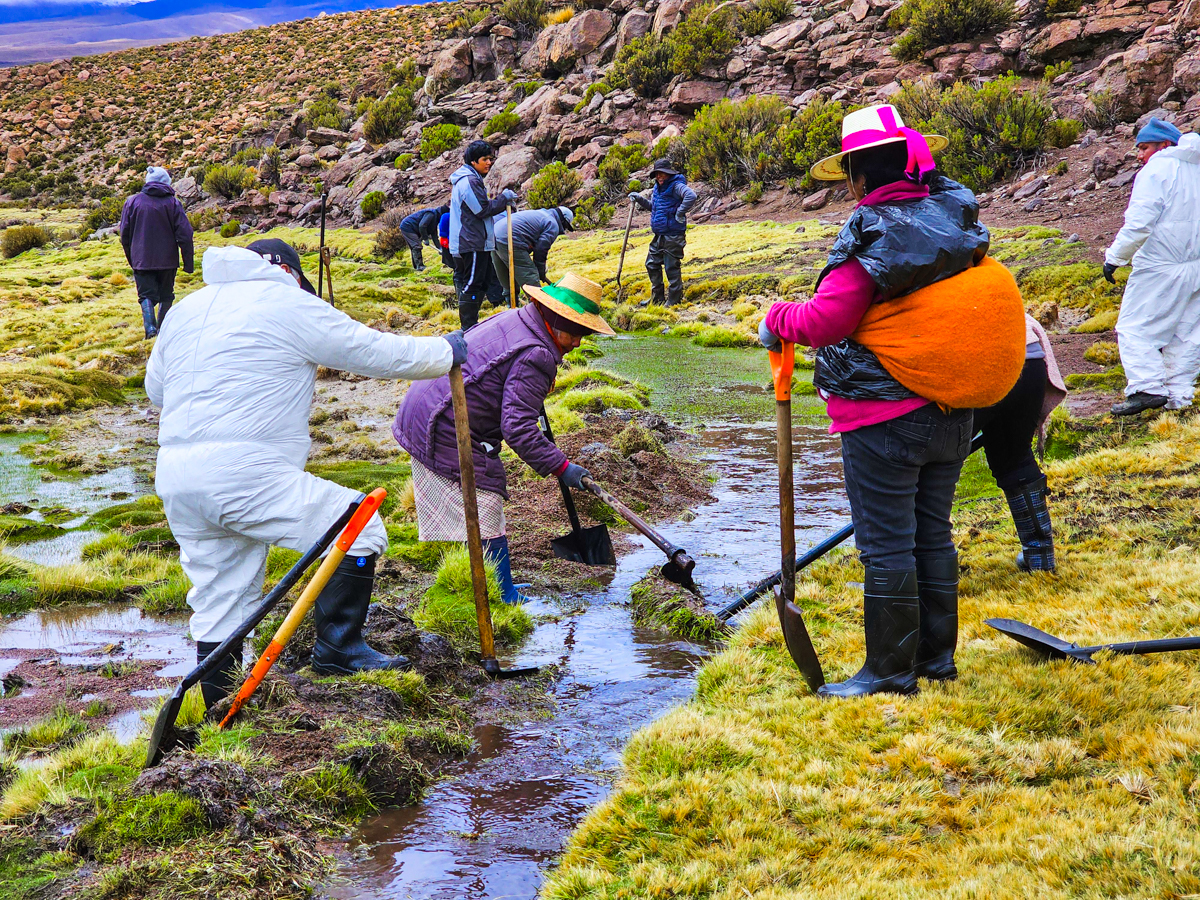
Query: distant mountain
[39, 32]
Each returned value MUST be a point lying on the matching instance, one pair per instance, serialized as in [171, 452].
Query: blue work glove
[573, 476]
[682, 220]
[767, 338]
[458, 345]
[1109, 271]
[510, 196]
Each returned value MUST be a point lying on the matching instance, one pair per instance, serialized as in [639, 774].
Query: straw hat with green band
[574, 298]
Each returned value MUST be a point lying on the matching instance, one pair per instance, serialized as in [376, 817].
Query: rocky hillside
[344, 113]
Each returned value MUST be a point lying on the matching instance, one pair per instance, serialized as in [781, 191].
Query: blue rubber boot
[497, 549]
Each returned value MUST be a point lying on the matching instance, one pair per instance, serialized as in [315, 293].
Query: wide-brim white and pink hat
[874, 127]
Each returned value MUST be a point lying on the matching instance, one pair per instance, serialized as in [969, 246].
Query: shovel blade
[591, 546]
[163, 736]
[679, 569]
[493, 670]
[1040, 641]
[799, 644]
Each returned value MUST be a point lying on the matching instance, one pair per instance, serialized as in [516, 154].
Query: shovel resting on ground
[791, 619]
[367, 508]
[591, 546]
[466, 467]
[1057, 648]
[164, 736]
[678, 567]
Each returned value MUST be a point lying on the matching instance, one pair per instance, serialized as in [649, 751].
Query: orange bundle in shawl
[959, 342]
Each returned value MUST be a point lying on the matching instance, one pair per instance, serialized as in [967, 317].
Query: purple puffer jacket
[510, 368]
[155, 230]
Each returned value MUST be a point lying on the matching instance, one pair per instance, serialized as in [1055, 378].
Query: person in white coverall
[1158, 328]
[233, 370]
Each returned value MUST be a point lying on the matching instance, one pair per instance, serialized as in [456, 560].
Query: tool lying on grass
[367, 508]
[164, 737]
[814, 553]
[591, 546]
[1057, 648]
[624, 247]
[791, 620]
[466, 466]
[678, 567]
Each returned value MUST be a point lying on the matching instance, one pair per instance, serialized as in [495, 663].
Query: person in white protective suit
[233, 370]
[1158, 328]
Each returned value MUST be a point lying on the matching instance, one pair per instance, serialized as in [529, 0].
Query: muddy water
[492, 828]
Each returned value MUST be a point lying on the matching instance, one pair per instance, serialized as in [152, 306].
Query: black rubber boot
[468, 313]
[1139, 402]
[891, 618]
[219, 683]
[1028, 505]
[418, 262]
[339, 614]
[937, 588]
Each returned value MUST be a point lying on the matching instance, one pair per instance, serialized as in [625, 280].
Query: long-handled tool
[367, 508]
[466, 466]
[791, 620]
[321, 250]
[624, 247]
[163, 737]
[751, 594]
[678, 567]
[591, 546]
[512, 268]
[1057, 648]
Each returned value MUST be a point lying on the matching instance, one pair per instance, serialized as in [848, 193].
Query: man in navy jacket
[154, 233]
[668, 201]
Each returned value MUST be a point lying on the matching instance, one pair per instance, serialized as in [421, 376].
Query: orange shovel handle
[782, 364]
[369, 506]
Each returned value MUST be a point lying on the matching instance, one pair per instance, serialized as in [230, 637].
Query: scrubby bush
[231, 229]
[106, 214]
[592, 213]
[812, 134]
[404, 161]
[387, 119]
[993, 129]
[388, 239]
[525, 16]
[592, 90]
[372, 205]
[19, 238]
[1103, 110]
[643, 65]
[615, 168]
[763, 14]
[934, 23]
[437, 139]
[732, 143]
[553, 186]
[706, 35]
[505, 122]
[229, 180]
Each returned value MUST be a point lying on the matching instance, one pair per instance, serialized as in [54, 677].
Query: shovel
[512, 267]
[164, 737]
[466, 466]
[367, 508]
[678, 567]
[624, 247]
[591, 546]
[795, 635]
[1057, 648]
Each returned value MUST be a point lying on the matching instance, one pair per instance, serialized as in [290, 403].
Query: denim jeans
[155, 287]
[900, 477]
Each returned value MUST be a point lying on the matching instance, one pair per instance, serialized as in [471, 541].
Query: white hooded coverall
[1158, 328]
[233, 370]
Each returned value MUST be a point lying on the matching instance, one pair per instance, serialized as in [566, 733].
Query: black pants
[900, 478]
[414, 248]
[155, 287]
[473, 275]
[666, 254]
[1009, 426]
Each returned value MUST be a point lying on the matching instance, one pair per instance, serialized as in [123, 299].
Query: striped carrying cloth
[440, 515]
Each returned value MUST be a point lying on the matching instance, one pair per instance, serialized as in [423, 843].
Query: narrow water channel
[492, 828]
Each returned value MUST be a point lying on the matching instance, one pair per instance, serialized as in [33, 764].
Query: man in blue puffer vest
[668, 201]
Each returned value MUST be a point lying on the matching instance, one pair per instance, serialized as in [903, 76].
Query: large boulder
[559, 47]
[386, 179]
[513, 167]
[1150, 69]
[689, 96]
[451, 68]
[786, 36]
[637, 23]
[323, 137]
[347, 168]
[1186, 74]
[186, 190]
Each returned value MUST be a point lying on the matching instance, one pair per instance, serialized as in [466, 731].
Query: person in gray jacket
[534, 231]
[668, 201]
[471, 237]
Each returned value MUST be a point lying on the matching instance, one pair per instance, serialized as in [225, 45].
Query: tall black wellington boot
[891, 618]
[468, 313]
[1028, 505]
[937, 588]
[418, 261]
[221, 681]
[339, 614]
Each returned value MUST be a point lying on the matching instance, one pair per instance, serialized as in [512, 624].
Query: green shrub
[231, 229]
[460, 26]
[763, 14]
[1103, 110]
[437, 139]
[324, 112]
[733, 142]
[553, 186]
[643, 65]
[615, 168]
[372, 205]
[706, 35]
[229, 180]
[813, 133]
[934, 23]
[389, 117]
[525, 16]
[1059, 7]
[592, 90]
[404, 161]
[993, 129]
[506, 122]
[591, 213]
[19, 238]
[106, 214]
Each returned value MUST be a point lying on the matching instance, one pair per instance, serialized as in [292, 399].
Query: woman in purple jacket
[512, 359]
[155, 232]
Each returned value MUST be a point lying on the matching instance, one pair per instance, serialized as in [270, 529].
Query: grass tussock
[60, 729]
[448, 607]
[1023, 778]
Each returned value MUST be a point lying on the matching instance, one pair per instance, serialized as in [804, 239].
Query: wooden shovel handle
[512, 269]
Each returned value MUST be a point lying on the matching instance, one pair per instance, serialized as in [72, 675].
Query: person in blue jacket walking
[420, 228]
[472, 239]
[668, 201]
